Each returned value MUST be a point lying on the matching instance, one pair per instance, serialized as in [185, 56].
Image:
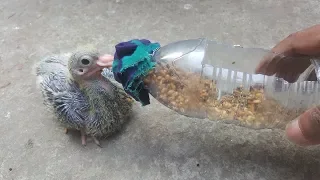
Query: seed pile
[190, 95]
[180, 91]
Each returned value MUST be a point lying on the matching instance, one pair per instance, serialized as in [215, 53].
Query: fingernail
[295, 135]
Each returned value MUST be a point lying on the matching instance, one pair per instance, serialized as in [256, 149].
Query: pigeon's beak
[105, 61]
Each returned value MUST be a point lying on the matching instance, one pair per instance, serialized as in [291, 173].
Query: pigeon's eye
[85, 61]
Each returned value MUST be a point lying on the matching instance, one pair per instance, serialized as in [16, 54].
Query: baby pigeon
[75, 90]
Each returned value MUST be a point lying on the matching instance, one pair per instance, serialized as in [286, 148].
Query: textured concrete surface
[157, 143]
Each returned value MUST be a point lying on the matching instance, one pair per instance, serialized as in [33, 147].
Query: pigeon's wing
[53, 76]
[61, 94]
[66, 100]
[53, 64]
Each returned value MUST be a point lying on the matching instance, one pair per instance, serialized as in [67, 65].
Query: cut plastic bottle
[204, 79]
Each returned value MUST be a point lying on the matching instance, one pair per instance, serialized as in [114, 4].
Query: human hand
[291, 56]
[290, 60]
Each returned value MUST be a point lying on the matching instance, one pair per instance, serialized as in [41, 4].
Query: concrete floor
[157, 143]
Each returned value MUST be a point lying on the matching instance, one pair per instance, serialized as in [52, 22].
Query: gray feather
[99, 108]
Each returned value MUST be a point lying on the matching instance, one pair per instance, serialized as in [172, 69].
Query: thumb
[305, 130]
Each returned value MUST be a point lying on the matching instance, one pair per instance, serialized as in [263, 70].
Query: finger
[262, 66]
[305, 130]
[306, 42]
[280, 75]
[291, 77]
[270, 64]
[288, 76]
[285, 46]
[265, 66]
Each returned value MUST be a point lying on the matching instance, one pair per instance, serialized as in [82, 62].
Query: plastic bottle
[204, 79]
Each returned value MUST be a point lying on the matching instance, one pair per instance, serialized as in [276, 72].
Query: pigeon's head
[88, 65]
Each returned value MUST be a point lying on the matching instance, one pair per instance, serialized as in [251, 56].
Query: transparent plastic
[204, 79]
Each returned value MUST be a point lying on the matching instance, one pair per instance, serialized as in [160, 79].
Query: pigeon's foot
[96, 141]
[83, 137]
[66, 130]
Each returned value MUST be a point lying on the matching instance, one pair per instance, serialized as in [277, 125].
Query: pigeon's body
[97, 107]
